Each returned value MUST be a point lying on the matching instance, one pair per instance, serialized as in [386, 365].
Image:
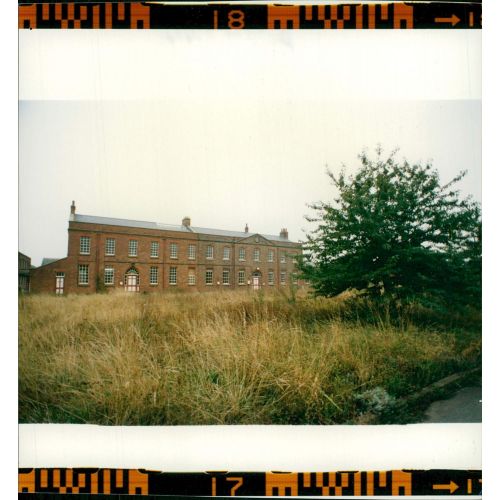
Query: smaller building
[23, 268]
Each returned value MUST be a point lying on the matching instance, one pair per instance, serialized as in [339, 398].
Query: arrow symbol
[452, 487]
[453, 20]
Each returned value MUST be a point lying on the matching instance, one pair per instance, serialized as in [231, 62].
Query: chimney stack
[73, 209]
[246, 228]
[186, 222]
[284, 233]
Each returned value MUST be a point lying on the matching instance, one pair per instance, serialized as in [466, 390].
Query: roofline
[191, 229]
[49, 263]
[117, 218]
[260, 235]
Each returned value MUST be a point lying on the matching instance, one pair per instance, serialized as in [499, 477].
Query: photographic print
[252, 227]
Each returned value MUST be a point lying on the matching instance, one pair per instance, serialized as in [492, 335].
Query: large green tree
[394, 231]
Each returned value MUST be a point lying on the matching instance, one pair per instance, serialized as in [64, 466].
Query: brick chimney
[246, 228]
[284, 233]
[72, 212]
[186, 222]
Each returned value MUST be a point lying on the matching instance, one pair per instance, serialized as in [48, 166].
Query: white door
[255, 282]
[131, 284]
[59, 283]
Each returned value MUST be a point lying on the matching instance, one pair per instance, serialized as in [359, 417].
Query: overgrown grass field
[228, 358]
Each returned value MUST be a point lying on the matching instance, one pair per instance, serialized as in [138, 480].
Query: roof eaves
[49, 260]
[109, 221]
[94, 219]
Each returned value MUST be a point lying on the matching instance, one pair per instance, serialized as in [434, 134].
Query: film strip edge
[303, 484]
[144, 15]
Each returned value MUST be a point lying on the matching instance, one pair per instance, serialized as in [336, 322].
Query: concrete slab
[463, 407]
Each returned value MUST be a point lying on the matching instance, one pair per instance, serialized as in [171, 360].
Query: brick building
[148, 256]
[23, 270]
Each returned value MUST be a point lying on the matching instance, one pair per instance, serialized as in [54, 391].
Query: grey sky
[229, 133]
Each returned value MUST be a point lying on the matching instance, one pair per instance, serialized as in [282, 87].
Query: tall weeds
[220, 358]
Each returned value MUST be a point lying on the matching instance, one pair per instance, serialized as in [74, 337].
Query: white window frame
[174, 251]
[110, 247]
[283, 277]
[172, 276]
[225, 276]
[211, 281]
[84, 245]
[270, 277]
[155, 249]
[283, 258]
[241, 277]
[109, 275]
[153, 275]
[191, 276]
[192, 252]
[256, 254]
[242, 255]
[209, 253]
[133, 248]
[83, 268]
[270, 256]
[226, 253]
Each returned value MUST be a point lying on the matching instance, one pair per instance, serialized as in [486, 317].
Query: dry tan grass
[219, 358]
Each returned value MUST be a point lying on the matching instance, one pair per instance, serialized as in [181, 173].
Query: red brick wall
[43, 278]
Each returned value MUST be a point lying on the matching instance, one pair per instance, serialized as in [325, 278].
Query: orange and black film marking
[269, 484]
[145, 15]
[85, 480]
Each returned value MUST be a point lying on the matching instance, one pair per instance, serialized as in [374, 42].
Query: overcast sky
[230, 129]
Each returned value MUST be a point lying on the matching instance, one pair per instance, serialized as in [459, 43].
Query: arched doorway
[256, 280]
[132, 280]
